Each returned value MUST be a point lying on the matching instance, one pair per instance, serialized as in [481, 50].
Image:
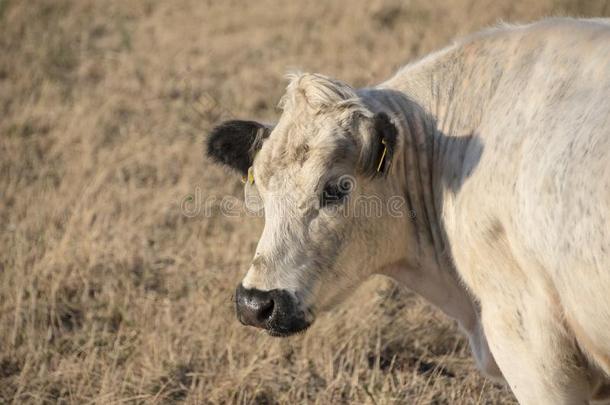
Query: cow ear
[379, 146]
[234, 143]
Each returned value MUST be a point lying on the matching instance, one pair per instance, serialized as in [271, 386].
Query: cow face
[321, 177]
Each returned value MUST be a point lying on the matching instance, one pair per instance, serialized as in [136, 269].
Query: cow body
[526, 214]
[500, 147]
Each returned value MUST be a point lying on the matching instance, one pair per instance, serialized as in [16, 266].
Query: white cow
[499, 148]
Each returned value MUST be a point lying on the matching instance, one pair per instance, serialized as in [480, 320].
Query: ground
[117, 268]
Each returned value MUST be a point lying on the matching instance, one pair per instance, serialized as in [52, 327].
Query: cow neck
[417, 170]
[414, 165]
[437, 114]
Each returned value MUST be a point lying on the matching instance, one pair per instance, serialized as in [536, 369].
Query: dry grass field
[113, 288]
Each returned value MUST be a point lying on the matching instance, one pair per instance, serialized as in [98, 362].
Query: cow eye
[335, 191]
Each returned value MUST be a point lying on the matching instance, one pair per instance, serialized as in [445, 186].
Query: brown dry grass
[108, 292]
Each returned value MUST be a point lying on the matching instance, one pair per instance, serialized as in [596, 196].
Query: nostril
[255, 307]
[266, 311]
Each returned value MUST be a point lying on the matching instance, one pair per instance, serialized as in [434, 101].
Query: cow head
[321, 176]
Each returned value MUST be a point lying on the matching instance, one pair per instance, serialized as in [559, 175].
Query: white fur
[504, 154]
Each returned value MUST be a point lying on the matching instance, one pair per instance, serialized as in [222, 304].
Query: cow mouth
[287, 332]
[296, 324]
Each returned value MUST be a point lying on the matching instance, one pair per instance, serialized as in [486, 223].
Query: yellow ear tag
[249, 178]
[385, 150]
[251, 175]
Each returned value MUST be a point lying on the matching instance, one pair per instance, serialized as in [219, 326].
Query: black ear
[382, 143]
[234, 143]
